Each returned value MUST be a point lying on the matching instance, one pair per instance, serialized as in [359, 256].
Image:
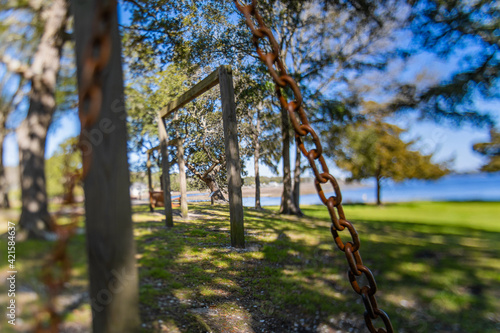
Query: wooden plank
[169, 222]
[113, 278]
[201, 87]
[232, 156]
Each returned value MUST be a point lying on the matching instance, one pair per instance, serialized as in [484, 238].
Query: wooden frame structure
[223, 77]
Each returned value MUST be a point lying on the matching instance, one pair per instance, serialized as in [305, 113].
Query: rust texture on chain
[56, 269]
[56, 273]
[302, 128]
[96, 57]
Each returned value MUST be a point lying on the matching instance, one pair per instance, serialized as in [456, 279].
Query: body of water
[471, 187]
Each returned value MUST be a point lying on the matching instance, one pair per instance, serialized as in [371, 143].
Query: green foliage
[464, 31]
[374, 148]
[491, 150]
[65, 162]
[145, 96]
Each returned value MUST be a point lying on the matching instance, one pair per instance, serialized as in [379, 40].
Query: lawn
[437, 266]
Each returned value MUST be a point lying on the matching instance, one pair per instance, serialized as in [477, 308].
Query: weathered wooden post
[232, 156]
[150, 181]
[113, 290]
[148, 165]
[182, 177]
[162, 131]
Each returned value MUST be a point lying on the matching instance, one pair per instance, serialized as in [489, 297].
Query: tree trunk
[4, 188]
[256, 161]
[113, 278]
[216, 193]
[287, 206]
[378, 179]
[182, 178]
[209, 180]
[32, 132]
[296, 182]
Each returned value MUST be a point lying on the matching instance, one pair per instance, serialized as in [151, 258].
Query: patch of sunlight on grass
[449, 302]
[167, 325]
[414, 267]
[220, 264]
[146, 217]
[208, 291]
[184, 293]
[472, 242]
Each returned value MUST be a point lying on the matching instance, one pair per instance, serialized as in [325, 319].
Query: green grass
[437, 267]
[483, 216]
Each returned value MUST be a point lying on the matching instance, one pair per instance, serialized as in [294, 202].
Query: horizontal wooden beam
[201, 87]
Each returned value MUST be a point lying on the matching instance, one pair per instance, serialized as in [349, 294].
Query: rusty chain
[303, 128]
[56, 270]
[96, 57]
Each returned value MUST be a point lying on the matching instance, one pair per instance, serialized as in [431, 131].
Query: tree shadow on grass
[193, 281]
[434, 277]
[292, 277]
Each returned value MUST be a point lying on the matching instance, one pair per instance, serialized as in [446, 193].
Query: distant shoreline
[248, 191]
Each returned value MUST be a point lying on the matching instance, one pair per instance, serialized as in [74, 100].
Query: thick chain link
[56, 270]
[96, 57]
[303, 128]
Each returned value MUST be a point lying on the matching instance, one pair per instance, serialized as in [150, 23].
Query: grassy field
[437, 266]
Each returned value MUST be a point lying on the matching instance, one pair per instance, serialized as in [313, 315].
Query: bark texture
[256, 141]
[113, 278]
[32, 132]
[4, 189]
[296, 180]
[210, 181]
[182, 178]
[287, 205]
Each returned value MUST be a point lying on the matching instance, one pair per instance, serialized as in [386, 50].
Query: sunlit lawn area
[437, 267]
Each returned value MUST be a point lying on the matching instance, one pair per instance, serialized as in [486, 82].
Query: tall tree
[300, 27]
[374, 149]
[198, 124]
[464, 34]
[491, 150]
[41, 74]
[9, 100]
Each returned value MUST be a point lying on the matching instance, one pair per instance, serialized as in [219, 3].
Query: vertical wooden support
[148, 165]
[182, 177]
[113, 279]
[150, 182]
[162, 131]
[232, 156]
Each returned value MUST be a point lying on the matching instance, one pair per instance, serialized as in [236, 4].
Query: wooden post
[162, 131]
[113, 279]
[182, 177]
[148, 165]
[232, 156]
[150, 181]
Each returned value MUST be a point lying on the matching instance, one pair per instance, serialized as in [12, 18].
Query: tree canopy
[374, 149]
[491, 150]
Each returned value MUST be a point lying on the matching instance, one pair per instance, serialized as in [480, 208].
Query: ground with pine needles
[436, 264]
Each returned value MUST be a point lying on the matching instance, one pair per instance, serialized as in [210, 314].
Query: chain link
[56, 270]
[303, 128]
[96, 57]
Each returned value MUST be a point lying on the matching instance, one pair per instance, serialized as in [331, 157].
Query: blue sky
[447, 142]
